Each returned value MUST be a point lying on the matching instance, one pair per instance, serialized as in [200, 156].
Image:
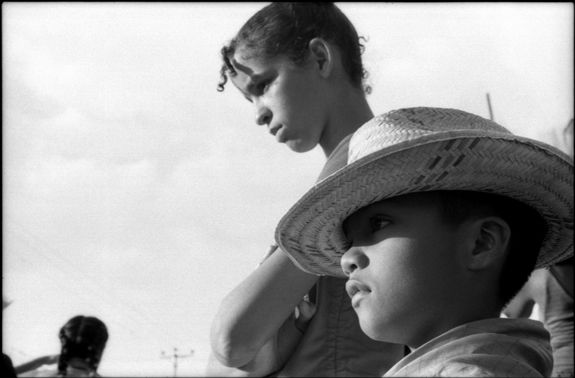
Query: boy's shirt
[486, 348]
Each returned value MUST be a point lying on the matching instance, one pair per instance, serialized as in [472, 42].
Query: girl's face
[290, 100]
[403, 269]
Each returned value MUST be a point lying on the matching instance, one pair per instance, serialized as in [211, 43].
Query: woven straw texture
[425, 149]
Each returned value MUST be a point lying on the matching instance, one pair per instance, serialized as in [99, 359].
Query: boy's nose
[353, 260]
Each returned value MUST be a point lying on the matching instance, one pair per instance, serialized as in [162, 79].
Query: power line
[76, 290]
[174, 357]
[78, 273]
[489, 107]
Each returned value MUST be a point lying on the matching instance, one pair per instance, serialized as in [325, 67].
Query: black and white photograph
[243, 189]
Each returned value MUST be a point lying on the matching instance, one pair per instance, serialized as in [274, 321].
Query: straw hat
[425, 149]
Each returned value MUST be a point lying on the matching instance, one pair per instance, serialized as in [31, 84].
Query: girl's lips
[280, 135]
[274, 129]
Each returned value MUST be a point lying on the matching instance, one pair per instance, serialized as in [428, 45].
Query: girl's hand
[304, 311]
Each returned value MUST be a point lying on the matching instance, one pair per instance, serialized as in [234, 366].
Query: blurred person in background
[7, 366]
[83, 339]
[299, 66]
[552, 289]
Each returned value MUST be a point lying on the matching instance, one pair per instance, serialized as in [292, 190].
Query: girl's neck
[350, 111]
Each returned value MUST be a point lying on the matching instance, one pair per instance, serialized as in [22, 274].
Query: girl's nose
[353, 260]
[263, 115]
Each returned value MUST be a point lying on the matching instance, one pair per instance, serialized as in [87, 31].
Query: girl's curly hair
[287, 28]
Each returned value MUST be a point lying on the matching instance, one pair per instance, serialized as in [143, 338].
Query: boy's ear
[490, 238]
[321, 54]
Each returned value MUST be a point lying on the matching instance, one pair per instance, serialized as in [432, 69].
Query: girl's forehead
[243, 53]
[254, 67]
[255, 59]
[244, 66]
[247, 64]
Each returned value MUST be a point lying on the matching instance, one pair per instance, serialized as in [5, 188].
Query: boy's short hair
[527, 227]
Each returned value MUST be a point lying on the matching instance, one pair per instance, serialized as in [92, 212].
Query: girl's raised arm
[255, 310]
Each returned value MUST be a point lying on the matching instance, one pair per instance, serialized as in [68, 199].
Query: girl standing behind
[300, 66]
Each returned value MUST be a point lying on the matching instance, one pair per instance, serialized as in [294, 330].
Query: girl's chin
[298, 146]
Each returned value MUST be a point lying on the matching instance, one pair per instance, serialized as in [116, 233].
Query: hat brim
[526, 170]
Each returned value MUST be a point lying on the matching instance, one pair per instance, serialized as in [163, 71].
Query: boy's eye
[378, 222]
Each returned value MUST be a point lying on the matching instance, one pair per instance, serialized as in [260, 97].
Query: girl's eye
[378, 222]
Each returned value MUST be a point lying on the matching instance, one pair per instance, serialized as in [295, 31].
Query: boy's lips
[354, 287]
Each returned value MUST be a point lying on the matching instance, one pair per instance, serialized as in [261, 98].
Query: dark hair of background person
[8, 370]
[82, 337]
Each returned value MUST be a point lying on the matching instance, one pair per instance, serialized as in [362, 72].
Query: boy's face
[402, 267]
[288, 99]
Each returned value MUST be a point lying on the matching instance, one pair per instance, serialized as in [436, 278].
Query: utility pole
[489, 106]
[175, 356]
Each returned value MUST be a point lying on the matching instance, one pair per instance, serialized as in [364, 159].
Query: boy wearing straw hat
[437, 220]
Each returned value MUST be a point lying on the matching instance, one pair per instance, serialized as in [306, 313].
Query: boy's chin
[375, 331]
[370, 331]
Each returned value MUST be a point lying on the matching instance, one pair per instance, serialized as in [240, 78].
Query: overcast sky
[135, 192]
